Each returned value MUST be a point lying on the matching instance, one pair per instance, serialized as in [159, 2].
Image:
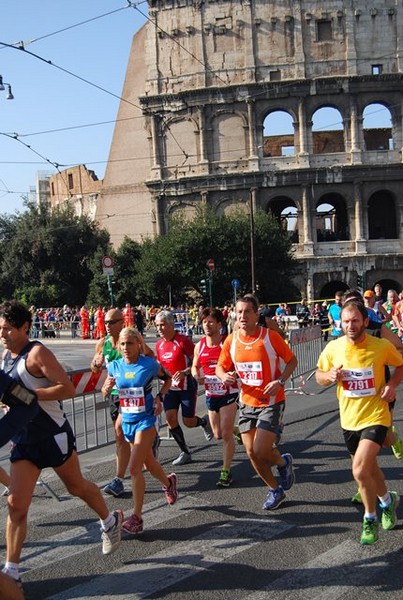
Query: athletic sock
[108, 522]
[179, 438]
[370, 516]
[11, 569]
[385, 500]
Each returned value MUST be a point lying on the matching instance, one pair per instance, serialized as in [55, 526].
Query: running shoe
[171, 493]
[356, 499]
[286, 473]
[274, 499]
[225, 478]
[133, 525]
[205, 425]
[115, 487]
[111, 537]
[369, 533]
[389, 517]
[397, 447]
[183, 459]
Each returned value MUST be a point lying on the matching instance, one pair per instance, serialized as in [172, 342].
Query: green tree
[46, 255]
[179, 259]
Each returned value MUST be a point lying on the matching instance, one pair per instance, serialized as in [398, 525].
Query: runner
[132, 376]
[107, 350]
[254, 354]
[47, 441]
[220, 398]
[356, 363]
[175, 353]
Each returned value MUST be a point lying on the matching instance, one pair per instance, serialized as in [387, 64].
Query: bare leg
[77, 485]
[259, 447]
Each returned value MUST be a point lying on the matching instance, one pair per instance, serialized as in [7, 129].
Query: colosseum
[207, 85]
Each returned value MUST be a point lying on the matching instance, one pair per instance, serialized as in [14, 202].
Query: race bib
[358, 383]
[214, 386]
[250, 373]
[132, 400]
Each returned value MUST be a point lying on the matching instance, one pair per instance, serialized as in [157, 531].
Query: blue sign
[236, 284]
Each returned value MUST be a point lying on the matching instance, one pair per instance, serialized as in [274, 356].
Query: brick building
[78, 186]
[203, 80]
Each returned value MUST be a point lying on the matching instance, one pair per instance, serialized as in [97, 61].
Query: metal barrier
[306, 343]
[89, 413]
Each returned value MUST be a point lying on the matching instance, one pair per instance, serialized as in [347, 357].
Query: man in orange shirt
[253, 354]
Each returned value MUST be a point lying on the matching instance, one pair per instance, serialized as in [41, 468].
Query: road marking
[330, 575]
[179, 561]
[81, 539]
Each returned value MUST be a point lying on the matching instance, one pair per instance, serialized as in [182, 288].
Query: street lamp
[2, 88]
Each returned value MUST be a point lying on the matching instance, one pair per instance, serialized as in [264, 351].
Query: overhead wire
[21, 46]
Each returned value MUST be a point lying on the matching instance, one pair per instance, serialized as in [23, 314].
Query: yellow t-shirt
[363, 378]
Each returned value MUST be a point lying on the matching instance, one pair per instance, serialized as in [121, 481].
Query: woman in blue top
[133, 375]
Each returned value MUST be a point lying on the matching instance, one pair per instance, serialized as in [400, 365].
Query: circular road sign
[236, 284]
[211, 264]
[107, 262]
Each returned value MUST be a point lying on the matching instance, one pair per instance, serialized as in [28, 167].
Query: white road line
[330, 575]
[180, 561]
[75, 540]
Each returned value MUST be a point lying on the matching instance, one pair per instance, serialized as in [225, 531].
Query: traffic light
[360, 281]
[204, 286]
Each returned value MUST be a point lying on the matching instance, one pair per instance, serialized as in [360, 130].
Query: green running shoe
[389, 517]
[397, 447]
[225, 478]
[356, 499]
[369, 531]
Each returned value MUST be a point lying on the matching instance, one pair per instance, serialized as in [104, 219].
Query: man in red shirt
[175, 352]
[263, 361]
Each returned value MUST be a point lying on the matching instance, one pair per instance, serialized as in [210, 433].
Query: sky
[58, 110]
[63, 119]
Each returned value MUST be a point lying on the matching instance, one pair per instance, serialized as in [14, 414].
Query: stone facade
[204, 75]
[77, 186]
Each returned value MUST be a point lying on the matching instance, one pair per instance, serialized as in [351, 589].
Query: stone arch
[279, 134]
[287, 213]
[330, 288]
[377, 127]
[388, 284]
[181, 147]
[331, 218]
[382, 216]
[229, 136]
[327, 130]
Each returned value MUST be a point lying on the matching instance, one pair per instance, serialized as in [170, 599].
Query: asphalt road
[219, 543]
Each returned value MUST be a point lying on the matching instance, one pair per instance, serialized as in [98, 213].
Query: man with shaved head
[106, 351]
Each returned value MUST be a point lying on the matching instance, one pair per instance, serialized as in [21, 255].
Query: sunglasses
[113, 321]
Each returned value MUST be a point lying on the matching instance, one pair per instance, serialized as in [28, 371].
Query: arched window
[377, 128]
[327, 131]
[278, 134]
[331, 219]
[285, 211]
[382, 216]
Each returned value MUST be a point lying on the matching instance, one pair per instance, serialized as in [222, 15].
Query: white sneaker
[111, 538]
[183, 459]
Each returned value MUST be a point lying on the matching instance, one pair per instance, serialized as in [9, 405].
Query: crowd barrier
[89, 413]
[306, 343]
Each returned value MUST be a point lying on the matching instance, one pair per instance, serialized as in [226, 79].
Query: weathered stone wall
[201, 79]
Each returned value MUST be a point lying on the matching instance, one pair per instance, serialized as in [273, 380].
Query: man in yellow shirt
[356, 363]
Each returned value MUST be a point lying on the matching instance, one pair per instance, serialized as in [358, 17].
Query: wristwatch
[281, 381]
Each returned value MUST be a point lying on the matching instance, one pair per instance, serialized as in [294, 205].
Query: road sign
[236, 284]
[211, 264]
[107, 265]
[107, 262]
